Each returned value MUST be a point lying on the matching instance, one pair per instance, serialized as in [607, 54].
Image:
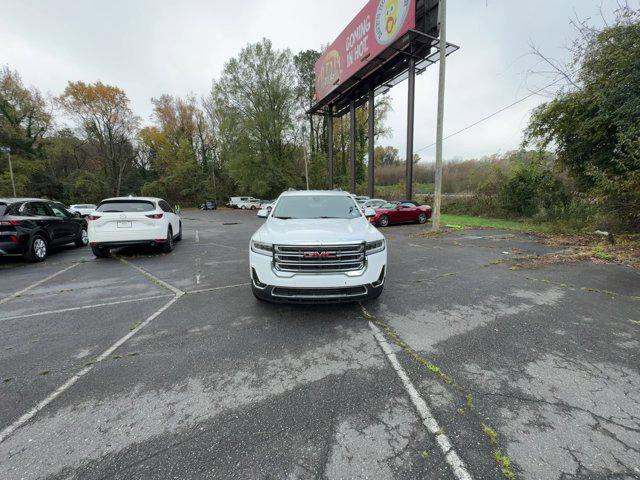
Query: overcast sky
[151, 47]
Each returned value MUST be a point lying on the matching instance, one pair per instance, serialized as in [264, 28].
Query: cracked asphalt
[536, 367]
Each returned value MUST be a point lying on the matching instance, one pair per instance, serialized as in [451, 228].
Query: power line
[492, 114]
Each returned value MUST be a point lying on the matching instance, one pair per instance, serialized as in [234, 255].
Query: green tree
[595, 126]
[256, 105]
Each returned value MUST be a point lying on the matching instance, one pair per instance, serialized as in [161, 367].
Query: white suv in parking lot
[124, 221]
[317, 246]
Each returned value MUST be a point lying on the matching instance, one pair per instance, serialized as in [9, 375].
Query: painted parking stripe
[84, 307]
[453, 460]
[7, 432]
[153, 278]
[34, 285]
[212, 289]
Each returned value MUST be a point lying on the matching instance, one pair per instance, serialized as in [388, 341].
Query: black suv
[30, 226]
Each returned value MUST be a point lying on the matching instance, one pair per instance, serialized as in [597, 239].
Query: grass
[500, 223]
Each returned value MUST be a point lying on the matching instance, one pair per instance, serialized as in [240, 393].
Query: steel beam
[352, 145]
[410, 117]
[330, 146]
[372, 177]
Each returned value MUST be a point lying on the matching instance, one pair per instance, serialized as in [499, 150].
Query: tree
[107, 123]
[595, 125]
[24, 116]
[256, 106]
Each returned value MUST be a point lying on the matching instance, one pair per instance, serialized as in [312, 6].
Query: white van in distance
[317, 246]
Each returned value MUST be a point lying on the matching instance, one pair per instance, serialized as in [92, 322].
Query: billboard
[373, 29]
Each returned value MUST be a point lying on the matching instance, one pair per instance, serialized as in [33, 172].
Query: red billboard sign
[376, 26]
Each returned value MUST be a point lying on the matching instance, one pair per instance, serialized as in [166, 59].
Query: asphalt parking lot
[165, 366]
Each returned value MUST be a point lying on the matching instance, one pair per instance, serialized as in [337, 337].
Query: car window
[3, 208]
[165, 206]
[316, 206]
[126, 206]
[37, 209]
[407, 204]
[389, 205]
[59, 211]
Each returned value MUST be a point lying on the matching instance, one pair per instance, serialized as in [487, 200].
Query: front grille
[319, 259]
[319, 294]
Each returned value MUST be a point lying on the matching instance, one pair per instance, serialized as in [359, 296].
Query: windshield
[389, 205]
[126, 206]
[316, 206]
[3, 208]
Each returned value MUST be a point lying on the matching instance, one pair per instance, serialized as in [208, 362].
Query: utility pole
[13, 182]
[437, 201]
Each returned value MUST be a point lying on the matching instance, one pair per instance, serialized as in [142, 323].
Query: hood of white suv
[317, 231]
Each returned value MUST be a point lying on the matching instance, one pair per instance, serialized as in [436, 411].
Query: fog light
[380, 280]
[256, 280]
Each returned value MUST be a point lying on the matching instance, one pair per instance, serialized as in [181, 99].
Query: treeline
[249, 135]
[593, 126]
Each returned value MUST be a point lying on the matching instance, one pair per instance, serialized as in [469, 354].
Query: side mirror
[369, 212]
[263, 213]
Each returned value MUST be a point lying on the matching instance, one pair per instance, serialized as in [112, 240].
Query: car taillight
[10, 222]
[155, 216]
[92, 217]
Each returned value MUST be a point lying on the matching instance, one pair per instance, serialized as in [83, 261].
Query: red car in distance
[401, 212]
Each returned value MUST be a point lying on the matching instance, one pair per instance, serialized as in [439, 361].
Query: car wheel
[383, 221]
[422, 218]
[179, 237]
[38, 249]
[167, 247]
[243, 207]
[100, 252]
[83, 241]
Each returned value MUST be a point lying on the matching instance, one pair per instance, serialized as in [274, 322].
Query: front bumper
[288, 287]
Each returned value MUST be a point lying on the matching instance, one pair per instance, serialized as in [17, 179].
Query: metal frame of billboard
[407, 56]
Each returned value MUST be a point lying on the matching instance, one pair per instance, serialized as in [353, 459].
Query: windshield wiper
[283, 218]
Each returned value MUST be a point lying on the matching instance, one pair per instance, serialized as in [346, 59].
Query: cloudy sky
[151, 47]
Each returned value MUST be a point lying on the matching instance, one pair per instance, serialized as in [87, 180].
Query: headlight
[262, 248]
[374, 247]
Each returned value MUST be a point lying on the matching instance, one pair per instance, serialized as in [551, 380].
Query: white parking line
[211, 289]
[39, 282]
[7, 432]
[153, 278]
[85, 307]
[457, 465]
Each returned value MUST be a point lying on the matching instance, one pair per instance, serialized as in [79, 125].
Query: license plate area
[123, 224]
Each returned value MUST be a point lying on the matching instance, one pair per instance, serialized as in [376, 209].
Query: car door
[44, 217]
[173, 219]
[407, 212]
[68, 227]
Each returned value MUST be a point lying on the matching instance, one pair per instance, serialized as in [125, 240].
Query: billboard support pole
[352, 144]
[372, 176]
[330, 146]
[437, 198]
[410, 117]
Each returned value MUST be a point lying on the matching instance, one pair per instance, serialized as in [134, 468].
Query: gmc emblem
[318, 254]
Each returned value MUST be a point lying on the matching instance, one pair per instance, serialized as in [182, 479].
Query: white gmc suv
[317, 246]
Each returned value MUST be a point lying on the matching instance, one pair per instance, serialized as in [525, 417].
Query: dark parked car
[401, 212]
[30, 226]
[209, 205]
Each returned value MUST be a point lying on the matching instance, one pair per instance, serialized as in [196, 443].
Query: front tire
[383, 221]
[83, 241]
[167, 247]
[38, 249]
[422, 218]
